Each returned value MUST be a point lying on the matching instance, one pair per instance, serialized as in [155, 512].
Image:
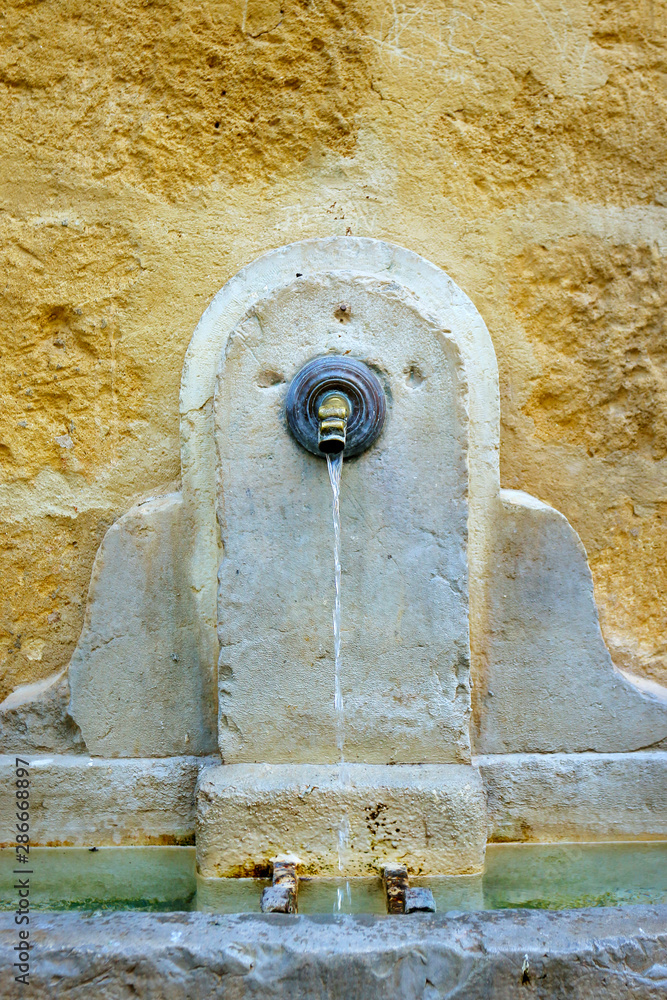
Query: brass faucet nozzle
[333, 414]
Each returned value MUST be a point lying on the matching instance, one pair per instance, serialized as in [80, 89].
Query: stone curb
[579, 954]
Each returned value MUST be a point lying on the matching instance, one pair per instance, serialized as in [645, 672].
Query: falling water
[335, 466]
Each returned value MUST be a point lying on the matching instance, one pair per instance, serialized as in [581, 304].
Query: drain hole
[414, 376]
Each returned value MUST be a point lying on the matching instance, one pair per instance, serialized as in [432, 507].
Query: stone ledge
[430, 817]
[92, 801]
[580, 954]
[89, 801]
[577, 796]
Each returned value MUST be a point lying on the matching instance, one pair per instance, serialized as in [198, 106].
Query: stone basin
[528, 876]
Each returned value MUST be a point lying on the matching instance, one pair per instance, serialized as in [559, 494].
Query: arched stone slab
[432, 294]
[404, 513]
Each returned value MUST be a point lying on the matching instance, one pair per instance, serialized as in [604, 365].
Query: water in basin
[544, 876]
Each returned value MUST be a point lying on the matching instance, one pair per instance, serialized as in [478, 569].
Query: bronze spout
[333, 413]
[335, 405]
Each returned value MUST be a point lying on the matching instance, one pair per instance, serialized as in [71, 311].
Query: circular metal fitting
[340, 376]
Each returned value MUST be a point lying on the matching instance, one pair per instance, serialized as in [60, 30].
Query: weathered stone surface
[550, 684]
[594, 312]
[630, 587]
[138, 687]
[83, 801]
[586, 796]
[258, 88]
[405, 678]
[430, 818]
[35, 719]
[60, 400]
[578, 954]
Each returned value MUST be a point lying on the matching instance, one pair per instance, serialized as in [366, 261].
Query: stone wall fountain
[470, 628]
[480, 702]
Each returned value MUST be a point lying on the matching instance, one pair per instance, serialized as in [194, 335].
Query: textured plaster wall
[149, 150]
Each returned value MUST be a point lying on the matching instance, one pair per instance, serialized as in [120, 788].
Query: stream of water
[335, 466]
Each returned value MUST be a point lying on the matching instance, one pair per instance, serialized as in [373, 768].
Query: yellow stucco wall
[150, 149]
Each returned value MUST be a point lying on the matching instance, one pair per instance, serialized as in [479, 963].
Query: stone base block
[80, 801]
[576, 796]
[351, 818]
